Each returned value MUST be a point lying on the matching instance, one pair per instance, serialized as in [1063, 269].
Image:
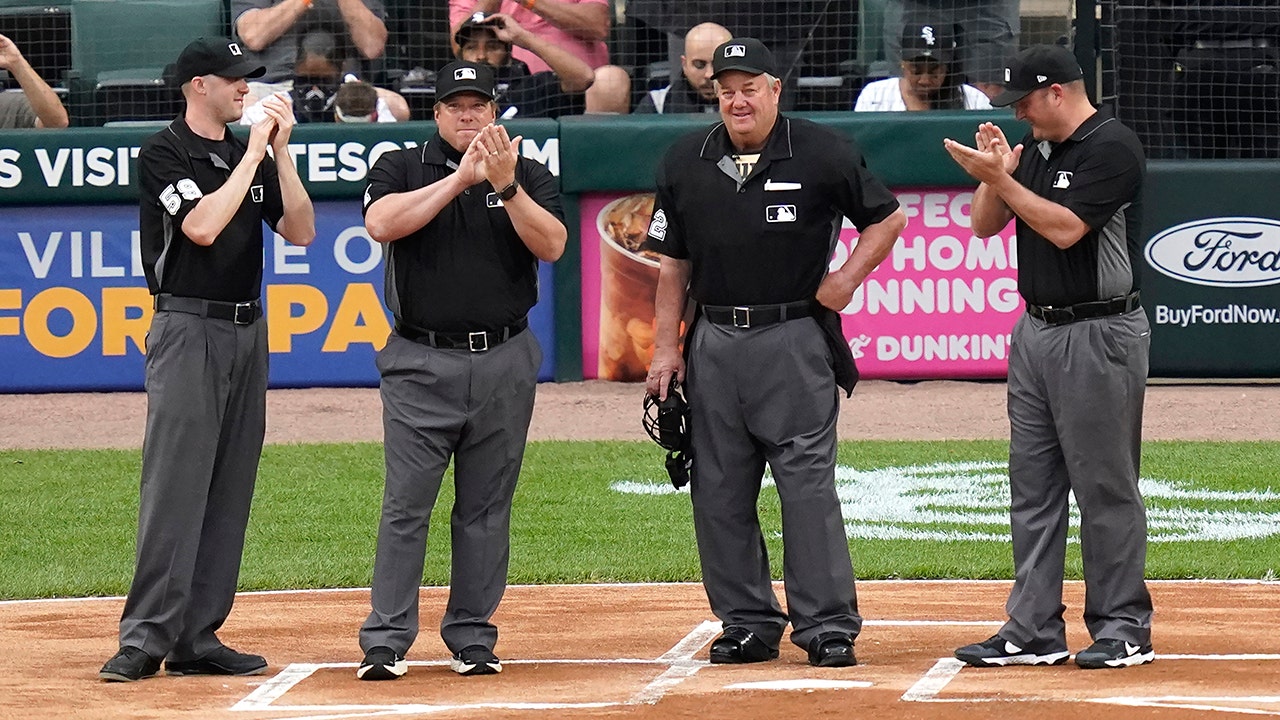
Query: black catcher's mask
[667, 422]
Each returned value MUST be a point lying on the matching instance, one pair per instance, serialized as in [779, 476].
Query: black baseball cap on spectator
[928, 40]
[462, 76]
[745, 54]
[468, 27]
[214, 56]
[1039, 66]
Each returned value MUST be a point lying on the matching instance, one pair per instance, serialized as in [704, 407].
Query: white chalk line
[928, 687]
[678, 662]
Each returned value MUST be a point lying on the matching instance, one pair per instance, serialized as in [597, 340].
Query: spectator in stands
[37, 106]
[318, 79]
[929, 80]
[580, 27]
[491, 40]
[693, 90]
[276, 32]
[789, 28]
[987, 32]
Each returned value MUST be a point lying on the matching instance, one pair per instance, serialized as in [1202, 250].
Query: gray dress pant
[206, 383]
[1075, 415]
[768, 395]
[436, 405]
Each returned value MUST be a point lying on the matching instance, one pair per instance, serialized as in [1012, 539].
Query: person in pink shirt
[579, 26]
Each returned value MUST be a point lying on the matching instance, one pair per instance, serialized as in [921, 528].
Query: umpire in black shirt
[1077, 363]
[204, 196]
[746, 218]
[466, 220]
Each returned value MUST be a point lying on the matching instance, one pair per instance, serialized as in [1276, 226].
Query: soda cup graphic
[628, 284]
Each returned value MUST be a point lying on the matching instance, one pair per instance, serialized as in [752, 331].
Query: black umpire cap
[214, 56]
[746, 54]
[1039, 66]
[462, 76]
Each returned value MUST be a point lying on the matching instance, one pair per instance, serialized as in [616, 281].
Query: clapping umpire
[204, 196]
[746, 218]
[1077, 363]
[466, 220]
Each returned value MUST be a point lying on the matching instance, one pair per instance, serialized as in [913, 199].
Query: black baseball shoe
[382, 663]
[475, 660]
[1113, 653]
[739, 645]
[223, 661]
[129, 664]
[832, 649]
[995, 651]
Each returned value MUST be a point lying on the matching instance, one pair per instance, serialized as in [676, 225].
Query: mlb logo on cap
[234, 48]
[745, 54]
[461, 76]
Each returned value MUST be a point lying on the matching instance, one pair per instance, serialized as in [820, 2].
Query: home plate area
[554, 687]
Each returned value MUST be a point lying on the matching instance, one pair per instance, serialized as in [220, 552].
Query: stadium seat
[119, 57]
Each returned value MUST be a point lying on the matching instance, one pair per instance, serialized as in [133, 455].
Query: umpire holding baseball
[1077, 364]
[205, 194]
[746, 219]
[466, 220]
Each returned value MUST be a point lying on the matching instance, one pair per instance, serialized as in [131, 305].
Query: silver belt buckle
[245, 319]
[478, 341]
[742, 317]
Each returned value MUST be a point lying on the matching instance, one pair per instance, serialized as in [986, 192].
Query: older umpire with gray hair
[746, 219]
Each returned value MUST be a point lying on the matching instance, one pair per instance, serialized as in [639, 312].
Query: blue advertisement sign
[74, 305]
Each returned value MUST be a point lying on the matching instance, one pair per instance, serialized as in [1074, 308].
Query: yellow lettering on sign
[117, 327]
[359, 303]
[282, 324]
[84, 322]
[10, 299]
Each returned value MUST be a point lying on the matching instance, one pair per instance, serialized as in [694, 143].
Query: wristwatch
[509, 191]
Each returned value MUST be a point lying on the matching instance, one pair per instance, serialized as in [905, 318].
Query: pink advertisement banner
[942, 305]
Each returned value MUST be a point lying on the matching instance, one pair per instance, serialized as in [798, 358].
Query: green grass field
[603, 511]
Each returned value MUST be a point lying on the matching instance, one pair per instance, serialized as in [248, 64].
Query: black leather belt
[1083, 311]
[747, 316]
[240, 313]
[478, 341]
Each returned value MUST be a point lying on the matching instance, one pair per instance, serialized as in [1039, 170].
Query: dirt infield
[638, 651]
[933, 410]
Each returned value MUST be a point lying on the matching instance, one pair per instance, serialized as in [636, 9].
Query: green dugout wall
[1213, 256]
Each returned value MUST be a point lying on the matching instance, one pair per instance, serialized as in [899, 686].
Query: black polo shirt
[769, 238]
[466, 270]
[1097, 173]
[176, 168]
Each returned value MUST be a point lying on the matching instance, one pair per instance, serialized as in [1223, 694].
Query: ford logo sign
[1220, 252]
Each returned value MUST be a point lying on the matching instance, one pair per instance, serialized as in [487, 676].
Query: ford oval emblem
[1220, 252]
